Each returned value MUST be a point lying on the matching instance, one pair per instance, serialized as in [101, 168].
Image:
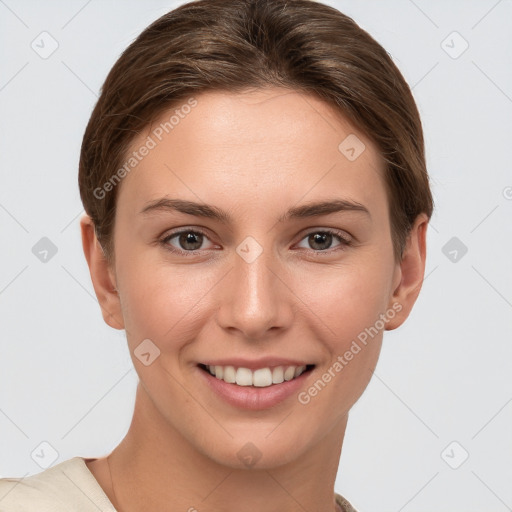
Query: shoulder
[344, 503]
[66, 487]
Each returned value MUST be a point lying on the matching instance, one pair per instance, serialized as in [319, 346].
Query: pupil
[190, 238]
[319, 239]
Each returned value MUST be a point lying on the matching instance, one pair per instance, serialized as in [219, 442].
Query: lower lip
[251, 397]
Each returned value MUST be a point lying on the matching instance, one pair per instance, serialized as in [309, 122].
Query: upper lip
[254, 364]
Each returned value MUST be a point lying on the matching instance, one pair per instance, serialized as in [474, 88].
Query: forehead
[273, 140]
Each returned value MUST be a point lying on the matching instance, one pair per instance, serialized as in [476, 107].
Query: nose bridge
[256, 299]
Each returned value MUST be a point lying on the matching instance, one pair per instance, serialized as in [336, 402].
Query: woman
[256, 200]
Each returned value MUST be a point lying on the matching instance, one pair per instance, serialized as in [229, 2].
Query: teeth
[278, 375]
[229, 374]
[298, 371]
[261, 378]
[244, 377]
[289, 373]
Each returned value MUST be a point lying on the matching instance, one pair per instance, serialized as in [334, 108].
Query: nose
[256, 299]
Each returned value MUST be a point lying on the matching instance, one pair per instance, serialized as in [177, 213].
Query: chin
[253, 453]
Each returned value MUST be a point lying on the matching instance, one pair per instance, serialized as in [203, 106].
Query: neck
[155, 467]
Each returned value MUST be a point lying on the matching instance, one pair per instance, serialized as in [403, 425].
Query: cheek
[348, 308]
[347, 303]
[347, 298]
[160, 302]
[164, 301]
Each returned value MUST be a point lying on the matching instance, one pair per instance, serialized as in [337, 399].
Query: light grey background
[67, 379]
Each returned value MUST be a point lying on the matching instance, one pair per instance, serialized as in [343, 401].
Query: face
[261, 278]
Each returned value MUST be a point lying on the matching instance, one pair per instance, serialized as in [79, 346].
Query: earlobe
[102, 275]
[410, 274]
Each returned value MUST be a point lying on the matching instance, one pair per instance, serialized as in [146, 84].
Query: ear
[102, 275]
[409, 273]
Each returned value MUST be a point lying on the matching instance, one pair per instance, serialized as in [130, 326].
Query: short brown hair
[236, 45]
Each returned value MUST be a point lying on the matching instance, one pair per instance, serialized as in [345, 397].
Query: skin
[255, 155]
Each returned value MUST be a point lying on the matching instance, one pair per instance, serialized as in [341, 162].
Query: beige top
[68, 486]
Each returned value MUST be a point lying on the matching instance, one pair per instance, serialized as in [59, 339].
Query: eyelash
[344, 241]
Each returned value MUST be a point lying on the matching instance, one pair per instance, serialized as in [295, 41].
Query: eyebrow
[212, 212]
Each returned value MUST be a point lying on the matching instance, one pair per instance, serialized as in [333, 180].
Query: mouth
[257, 388]
[265, 377]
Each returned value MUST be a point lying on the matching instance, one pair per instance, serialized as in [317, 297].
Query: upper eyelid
[348, 239]
[172, 234]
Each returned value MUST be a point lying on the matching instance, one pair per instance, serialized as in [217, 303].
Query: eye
[322, 240]
[188, 241]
